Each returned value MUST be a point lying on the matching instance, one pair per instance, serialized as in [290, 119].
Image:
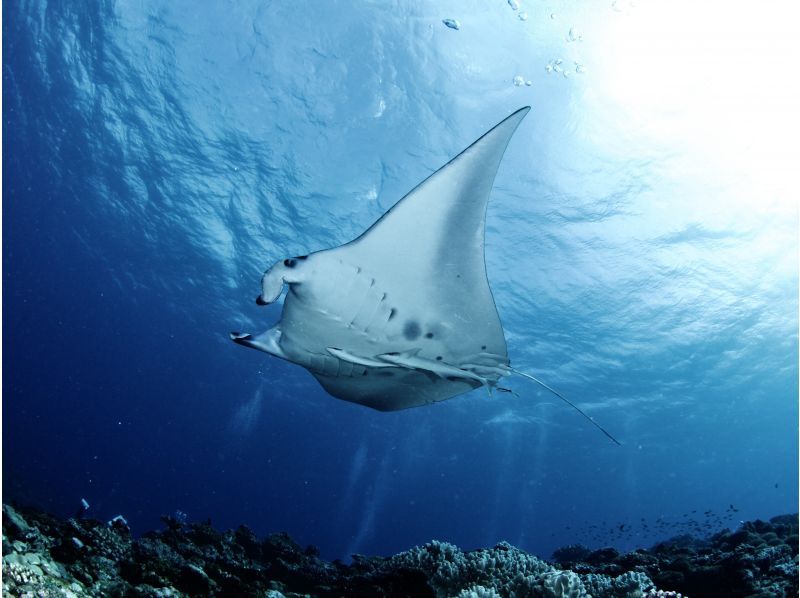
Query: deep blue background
[158, 157]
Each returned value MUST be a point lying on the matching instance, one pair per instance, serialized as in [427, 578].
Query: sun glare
[715, 80]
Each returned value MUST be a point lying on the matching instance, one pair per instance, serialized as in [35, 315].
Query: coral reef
[46, 556]
[758, 559]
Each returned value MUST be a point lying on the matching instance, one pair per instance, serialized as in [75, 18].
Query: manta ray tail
[567, 401]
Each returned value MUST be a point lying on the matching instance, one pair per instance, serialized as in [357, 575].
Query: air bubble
[519, 80]
[523, 16]
[452, 23]
[514, 4]
[579, 68]
[574, 35]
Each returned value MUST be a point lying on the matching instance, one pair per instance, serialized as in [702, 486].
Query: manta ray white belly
[395, 356]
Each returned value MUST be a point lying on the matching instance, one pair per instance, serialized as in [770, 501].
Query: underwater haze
[641, 246]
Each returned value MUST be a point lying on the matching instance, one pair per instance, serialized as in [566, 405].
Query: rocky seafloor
[46, 556]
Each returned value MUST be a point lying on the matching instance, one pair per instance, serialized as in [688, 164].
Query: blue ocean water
[641, 246]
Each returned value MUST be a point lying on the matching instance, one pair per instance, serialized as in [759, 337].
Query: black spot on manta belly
[411, 330]
[429, 335]
[438, 358]
[483, 347]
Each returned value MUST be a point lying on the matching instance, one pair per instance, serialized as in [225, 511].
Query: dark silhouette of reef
[47, 556]
[757, 560]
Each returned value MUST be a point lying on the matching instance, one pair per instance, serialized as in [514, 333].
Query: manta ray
[403, 315]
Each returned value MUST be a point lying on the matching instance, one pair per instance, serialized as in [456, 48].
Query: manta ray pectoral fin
[284, 271]
[268, 342]
[357, 359]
